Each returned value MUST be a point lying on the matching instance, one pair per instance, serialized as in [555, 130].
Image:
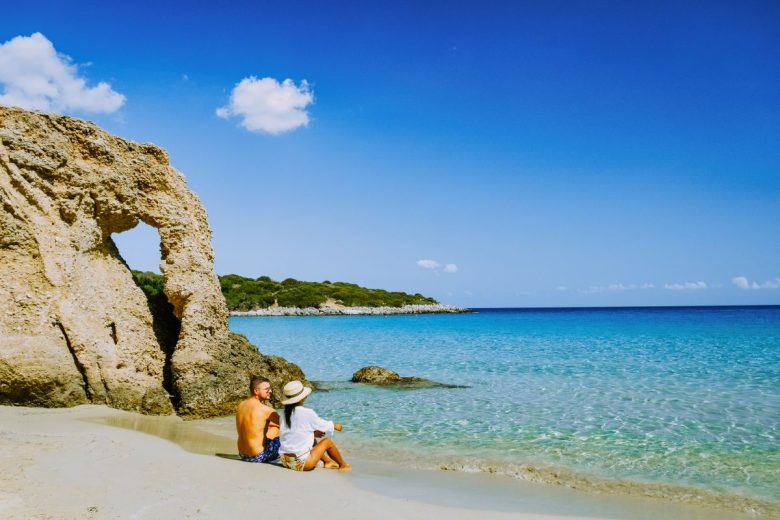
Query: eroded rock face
[74, 327]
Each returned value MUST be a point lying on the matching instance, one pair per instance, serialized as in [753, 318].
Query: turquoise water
[669, 399]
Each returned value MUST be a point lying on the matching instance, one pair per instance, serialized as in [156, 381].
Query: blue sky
[549, 153]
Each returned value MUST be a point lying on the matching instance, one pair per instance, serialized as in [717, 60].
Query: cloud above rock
[265, 105]
[35, 76]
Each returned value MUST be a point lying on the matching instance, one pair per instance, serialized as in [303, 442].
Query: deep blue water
[672, 396]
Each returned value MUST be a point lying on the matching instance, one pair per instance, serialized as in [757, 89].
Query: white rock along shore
[335, 310]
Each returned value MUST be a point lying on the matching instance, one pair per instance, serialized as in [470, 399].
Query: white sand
[65, 463]
[54, 465]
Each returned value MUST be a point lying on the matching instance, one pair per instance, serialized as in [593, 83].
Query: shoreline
[96, 462]
[564, 478]
[544, 476]
[339, 310]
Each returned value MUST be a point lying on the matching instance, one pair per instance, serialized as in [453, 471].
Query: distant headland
[266, 297]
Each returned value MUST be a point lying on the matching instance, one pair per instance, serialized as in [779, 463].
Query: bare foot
[332, 465]
[345, 467]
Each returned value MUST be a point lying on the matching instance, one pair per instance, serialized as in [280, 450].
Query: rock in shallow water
[375, 375]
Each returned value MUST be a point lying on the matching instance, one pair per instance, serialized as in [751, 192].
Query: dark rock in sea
[374, 375]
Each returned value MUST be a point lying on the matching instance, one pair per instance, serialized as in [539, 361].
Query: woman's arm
[336, 426]
[318, 424]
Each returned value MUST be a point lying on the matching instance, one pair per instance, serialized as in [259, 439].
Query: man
[257, 424]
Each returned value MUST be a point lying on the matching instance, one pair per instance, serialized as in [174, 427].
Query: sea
[675, 402]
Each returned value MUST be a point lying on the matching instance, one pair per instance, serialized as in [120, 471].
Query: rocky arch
[75, 328]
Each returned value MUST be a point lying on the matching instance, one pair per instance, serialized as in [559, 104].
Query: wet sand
[96, 462]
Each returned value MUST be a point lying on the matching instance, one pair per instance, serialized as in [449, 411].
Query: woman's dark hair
[288, 410]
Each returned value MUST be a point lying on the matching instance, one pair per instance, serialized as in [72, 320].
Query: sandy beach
[96, 462]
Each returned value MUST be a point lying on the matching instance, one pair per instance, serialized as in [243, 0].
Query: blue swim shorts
[269, 454]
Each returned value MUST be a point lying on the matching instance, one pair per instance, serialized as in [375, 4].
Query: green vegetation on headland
[150, 283]
[245, 294]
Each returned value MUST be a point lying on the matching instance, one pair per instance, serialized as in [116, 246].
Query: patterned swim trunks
[293, 462]
[269, 454]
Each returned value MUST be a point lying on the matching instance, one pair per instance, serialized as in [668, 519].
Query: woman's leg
[326, 461]
[325, 445]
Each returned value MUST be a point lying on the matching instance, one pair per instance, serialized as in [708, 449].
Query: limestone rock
[74, 327]
[375, 375]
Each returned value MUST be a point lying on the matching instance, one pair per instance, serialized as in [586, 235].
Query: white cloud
[685, 286]
[265, 105]
[614, 287]
[743, 283]
[429, 264]
[561, 288]
[436, 266]
[36, 77]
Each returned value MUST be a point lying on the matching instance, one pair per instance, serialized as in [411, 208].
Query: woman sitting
[298, 429]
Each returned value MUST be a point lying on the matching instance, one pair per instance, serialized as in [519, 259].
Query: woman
[299, 426]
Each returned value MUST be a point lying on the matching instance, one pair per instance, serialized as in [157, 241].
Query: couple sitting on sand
[298, 439]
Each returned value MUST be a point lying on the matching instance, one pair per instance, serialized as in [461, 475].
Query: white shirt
[298, 437]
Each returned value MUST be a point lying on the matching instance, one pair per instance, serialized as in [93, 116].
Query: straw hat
[294, 391]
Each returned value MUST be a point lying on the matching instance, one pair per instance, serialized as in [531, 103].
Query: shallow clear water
[670, 396]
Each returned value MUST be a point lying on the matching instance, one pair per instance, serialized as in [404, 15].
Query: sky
[487, 154]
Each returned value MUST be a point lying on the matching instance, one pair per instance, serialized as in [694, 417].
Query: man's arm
[271, 427]
[273, 419]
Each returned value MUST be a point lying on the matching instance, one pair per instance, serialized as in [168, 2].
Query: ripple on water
[675, 398]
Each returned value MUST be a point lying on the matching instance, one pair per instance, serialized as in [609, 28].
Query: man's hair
[257, 381]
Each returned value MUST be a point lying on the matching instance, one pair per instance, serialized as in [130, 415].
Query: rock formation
[74, 328]
[375, 375]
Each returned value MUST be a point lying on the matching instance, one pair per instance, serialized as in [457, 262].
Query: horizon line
[613, 307]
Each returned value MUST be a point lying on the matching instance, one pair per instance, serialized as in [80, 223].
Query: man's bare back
[256, 423]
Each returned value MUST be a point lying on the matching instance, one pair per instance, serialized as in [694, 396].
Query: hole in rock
[140, 247]
[112, 329]
[140, 250]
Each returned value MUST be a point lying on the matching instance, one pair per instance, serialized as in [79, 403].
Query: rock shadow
[165, 324]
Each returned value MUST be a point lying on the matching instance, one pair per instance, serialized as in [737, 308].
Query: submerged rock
[74, 327]
[375, 375]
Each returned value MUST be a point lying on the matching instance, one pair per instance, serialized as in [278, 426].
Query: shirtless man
[257, 424]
